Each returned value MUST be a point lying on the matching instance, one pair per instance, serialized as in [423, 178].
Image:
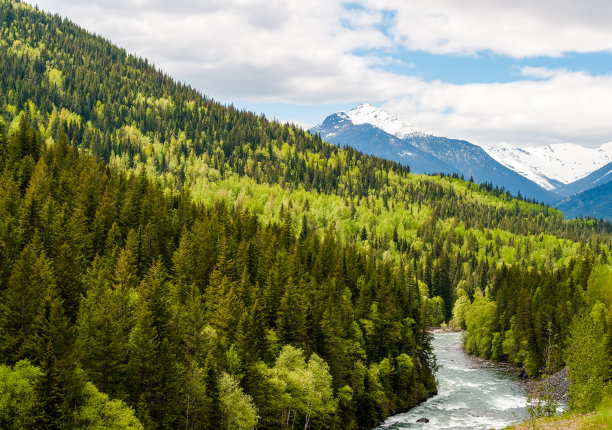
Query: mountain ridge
[594, 179]
[372, 140]
[401, 138]
[555, 167]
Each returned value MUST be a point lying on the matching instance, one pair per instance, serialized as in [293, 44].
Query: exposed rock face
[422, 420]
[556, 385]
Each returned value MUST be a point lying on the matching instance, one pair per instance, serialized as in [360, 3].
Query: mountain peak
[366, 113]
[562, 162]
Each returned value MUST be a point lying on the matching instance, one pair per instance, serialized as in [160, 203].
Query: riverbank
[599, 419]
[555, 385]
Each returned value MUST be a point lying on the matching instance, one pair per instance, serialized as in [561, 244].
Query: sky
[523, 72]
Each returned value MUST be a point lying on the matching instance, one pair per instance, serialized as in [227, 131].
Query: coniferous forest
[170, 262]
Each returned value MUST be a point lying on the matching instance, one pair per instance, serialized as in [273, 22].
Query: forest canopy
[186, 264]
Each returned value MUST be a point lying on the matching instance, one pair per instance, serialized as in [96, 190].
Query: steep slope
[598, 177]
[553, 166]
[594, 202]
[404, 143]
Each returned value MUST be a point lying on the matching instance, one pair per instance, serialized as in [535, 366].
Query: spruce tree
[30, 283]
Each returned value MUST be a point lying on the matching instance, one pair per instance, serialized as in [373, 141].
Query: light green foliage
[432, 308]
[588, 362]
[21, 49]
[385, 372]
[528, 359]
[479, 320]
[404, 365]
[234, 364]
[193, 396]
[100, 413]
[405, 369]
[18, 407]
[237, 408]
[303, 389]
[509, 346]
[600, 286]
[17, 395]
[599, 314]
[55, 78]
[460, 309]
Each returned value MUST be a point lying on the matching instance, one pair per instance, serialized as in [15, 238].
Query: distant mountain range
[555, 167]
[581, 175]
[372, 130]
[558, 174]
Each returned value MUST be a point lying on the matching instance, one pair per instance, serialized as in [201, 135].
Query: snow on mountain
[340, 130]
[365, 113]
[562, 162]
[374, 131]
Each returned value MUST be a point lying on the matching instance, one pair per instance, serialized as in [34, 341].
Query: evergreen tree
[31, 281]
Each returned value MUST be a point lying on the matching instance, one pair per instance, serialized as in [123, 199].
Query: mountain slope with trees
[178, 309]
[191, 265]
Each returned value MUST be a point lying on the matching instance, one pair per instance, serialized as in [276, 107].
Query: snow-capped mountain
[374, 131]
[366, 113]
[339, 129]
[553, 166]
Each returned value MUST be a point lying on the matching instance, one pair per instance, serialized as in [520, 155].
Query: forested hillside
[190, 265]
[173, 307]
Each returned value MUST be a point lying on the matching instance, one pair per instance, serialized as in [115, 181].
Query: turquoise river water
[469, 396]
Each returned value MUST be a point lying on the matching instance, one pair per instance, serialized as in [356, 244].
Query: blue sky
[488, 67]
[522, 72]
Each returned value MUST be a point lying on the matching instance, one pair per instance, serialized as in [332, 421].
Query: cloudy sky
[524, 72]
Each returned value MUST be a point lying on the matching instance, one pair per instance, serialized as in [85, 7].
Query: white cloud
[519, 28]
[540, 72]
[254, 50]
[567, 107]
[302, 53]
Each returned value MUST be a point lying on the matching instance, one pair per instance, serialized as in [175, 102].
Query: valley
[169, 261]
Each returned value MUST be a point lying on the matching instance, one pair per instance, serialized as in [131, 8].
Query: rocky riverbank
[556, 385]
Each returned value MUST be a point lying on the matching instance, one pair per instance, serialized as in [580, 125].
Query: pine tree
[47, 412]
[192, 327]
[52, 347]
[142, 370]
[104, 324]
[213, 406]
[31, 281]
[290, 320]
[158, 292]
[68, 274]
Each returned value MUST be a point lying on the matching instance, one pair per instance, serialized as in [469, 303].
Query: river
[469, 396]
